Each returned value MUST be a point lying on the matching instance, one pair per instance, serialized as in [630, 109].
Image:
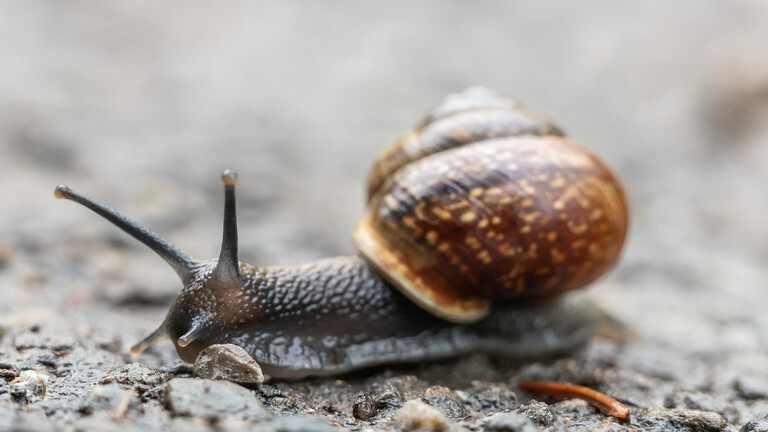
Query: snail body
[481, 204]
[337, 314]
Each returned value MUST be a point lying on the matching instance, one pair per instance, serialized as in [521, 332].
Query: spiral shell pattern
[485, 201]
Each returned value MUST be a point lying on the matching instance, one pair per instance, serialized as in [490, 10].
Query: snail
[477, 220]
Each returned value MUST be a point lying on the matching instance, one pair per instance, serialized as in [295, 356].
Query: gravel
[417, 415]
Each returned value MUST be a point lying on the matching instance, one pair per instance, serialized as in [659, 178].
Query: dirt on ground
[142, 104]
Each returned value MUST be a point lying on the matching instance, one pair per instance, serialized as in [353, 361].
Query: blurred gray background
[141, 104]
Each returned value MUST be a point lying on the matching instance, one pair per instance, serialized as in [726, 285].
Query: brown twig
[557, 390]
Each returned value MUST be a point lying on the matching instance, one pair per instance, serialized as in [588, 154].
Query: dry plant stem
[557, 390]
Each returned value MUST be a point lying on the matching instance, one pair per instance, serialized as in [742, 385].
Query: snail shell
[485, 201]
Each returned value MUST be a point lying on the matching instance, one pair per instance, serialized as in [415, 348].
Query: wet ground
[141, 105]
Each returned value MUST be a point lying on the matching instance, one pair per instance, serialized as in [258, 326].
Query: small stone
[751, 387]
[538, 412]
[396, 391]
[388, 397]
[228, 362]
[9, 374]
[364, 407]
[509, 422]
[28, 383]
[446, 401]
[408, 386]
[700, 401]
[488, 397]
[574, 409]
[134, 374]
[19, 394]
[51, 406]
[662, 419]
[212, 400]
[106, 397]
[49, 360]
[758, 425]
[417, 415]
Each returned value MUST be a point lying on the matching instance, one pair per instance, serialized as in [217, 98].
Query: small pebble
[364, 407]
[134, 374]
[407, 386]
[680, 419]
[395, 392]
[9, 374]
[488, 397]
[509, 422]
[573, 409]
[228, 362]
[752, 387]
[446, 401]
[700, 401]
[758, 425]
[417, 415]
[19, 394]
[29, 382]
[538, 412]
[106, 397]
[211, 400]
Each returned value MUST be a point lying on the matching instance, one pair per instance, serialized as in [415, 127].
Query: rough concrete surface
[141, 104]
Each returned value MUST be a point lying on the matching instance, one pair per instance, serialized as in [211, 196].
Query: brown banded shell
[490, 215]
[464, 118]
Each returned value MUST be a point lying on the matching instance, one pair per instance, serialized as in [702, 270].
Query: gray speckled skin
[337, 315]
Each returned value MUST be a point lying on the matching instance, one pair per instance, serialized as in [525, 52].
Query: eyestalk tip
[188, 337]
[62, 191]
[159, 334]
[229, 177]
